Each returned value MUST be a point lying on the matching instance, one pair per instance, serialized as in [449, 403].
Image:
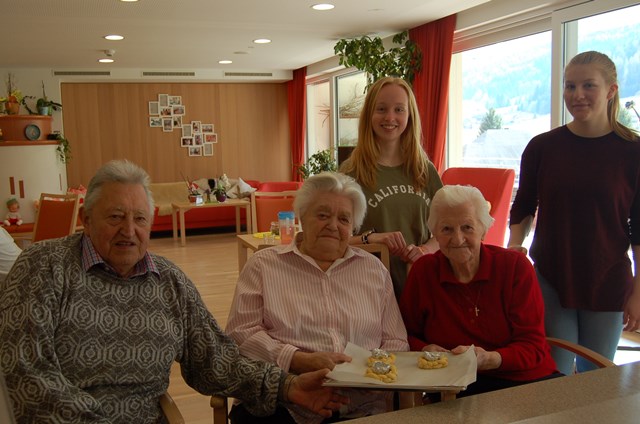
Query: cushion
[244, 189]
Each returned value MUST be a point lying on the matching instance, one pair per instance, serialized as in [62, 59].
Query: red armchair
[496, 185]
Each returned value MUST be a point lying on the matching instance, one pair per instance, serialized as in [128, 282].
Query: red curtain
[431, 85]
[297, 99]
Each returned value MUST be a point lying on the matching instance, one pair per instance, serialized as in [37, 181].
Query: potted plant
[318, 162]
[220, 190]
[14, 97]
[369, 55]
[46, 106]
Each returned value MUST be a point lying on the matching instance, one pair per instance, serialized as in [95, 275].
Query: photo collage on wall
[168, 113]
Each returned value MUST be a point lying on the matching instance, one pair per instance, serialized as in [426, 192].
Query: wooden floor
[211, 261]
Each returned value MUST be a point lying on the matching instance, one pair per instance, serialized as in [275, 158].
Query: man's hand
[307, 390]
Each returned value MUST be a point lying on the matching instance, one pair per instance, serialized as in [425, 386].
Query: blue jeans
[598, 331]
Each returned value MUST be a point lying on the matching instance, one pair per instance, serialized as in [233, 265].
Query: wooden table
[607, 395]
[183, 207]
[247, 242]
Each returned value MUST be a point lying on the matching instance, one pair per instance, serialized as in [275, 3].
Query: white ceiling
[196, 34]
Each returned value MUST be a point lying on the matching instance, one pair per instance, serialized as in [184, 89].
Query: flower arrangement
[632, 105]
[14, 98]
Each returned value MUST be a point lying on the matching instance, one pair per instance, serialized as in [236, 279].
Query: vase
[43, 110]
[221, 197]
[12, 108]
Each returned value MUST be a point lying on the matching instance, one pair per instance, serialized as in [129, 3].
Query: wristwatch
[366, 234]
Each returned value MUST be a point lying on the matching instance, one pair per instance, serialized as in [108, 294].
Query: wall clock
[32, 132]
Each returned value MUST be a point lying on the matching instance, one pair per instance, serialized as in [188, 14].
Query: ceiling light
[225, 62]
[128, 1]
[322, 6]
[105, 60]
[262, 41]
[114, 37]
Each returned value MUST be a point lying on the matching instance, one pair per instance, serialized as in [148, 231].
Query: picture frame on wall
[154, 108]
[177, 109]
[165, 110]
[198, 140]
[163, 100]
[210, 138]
[195, 150]
[207, 149]
[167, 124]
[195, 126]
[207, 128]
[174, 100]
[155, 121]
[177, 121]
[186, 130]
[186, 141]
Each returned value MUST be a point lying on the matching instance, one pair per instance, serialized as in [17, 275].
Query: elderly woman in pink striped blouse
[298, 305]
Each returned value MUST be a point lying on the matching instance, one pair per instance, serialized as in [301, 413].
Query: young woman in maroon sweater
[583, 180]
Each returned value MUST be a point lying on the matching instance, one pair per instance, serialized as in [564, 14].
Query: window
[506, 74]
[350, 90]
[318, 117]
[500, 98]
[615, 34]
[333, 110]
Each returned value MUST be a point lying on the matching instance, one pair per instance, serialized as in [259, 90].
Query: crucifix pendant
[476, 309]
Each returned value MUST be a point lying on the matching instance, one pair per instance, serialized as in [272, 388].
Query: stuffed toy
[13, 217]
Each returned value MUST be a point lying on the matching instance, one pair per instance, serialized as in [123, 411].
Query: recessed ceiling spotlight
[225, 62]
[128, 1]
[114, 37]
[262, 41]
[322, 6]
[105, 60]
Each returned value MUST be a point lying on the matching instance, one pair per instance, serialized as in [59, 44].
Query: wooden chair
[170, 410]
[56, 217]
[265, 206]
[496, 185]
[586, 353]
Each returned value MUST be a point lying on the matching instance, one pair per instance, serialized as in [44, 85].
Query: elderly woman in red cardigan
[472, 294]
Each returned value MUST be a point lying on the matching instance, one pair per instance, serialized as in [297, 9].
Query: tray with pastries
[449, 372]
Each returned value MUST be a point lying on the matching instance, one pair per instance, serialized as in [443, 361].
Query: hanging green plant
[63, 149]
[318, 162]
[369, 55]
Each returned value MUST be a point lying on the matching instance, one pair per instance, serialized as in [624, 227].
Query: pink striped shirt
[284, 302]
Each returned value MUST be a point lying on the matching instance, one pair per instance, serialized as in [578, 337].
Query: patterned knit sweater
[80, 346]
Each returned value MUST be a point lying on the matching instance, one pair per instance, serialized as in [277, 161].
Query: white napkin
[460, 372]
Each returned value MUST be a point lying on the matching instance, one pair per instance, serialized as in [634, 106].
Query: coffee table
[182, 208]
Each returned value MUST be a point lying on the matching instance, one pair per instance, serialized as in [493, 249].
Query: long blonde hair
[610, 74]
[364, 159]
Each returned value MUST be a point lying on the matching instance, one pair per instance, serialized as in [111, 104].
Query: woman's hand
[518, 248]
[411, 253]
[394, 241]
[631, 316]
[307, 390]
[487, 360]
[434, 348]
[305, 361]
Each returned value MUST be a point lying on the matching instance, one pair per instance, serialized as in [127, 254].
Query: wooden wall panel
[105, 121]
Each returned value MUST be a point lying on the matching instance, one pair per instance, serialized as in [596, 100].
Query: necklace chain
[475, 304]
